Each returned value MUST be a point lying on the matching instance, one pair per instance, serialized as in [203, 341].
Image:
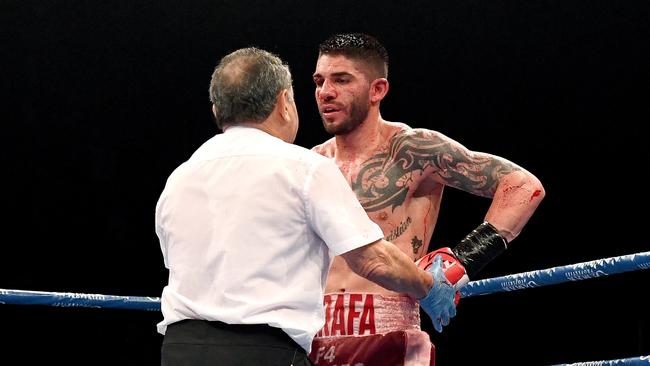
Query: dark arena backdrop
[101, 100]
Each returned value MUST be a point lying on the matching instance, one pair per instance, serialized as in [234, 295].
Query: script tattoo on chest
[399, 230]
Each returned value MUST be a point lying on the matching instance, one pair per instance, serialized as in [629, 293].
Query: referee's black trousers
[211, 343]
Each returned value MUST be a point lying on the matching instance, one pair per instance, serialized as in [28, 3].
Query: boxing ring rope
[555, 275]
[525, 280]
[69, 299]
[643, 360]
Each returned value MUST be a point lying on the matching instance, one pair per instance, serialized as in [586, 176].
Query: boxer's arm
[386, 265]
[515, 199]
[515, 192]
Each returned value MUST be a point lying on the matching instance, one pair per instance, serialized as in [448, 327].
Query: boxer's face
[342, 93]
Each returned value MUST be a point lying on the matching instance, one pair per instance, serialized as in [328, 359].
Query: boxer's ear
[378, 90]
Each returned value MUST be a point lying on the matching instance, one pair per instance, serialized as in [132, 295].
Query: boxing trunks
[363, 329]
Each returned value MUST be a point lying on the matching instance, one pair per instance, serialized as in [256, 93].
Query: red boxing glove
[454, 270]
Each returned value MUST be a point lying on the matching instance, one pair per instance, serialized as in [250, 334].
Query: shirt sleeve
[334, 212]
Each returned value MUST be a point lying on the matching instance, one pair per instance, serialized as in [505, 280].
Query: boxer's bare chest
[393, 184]
[386, 177]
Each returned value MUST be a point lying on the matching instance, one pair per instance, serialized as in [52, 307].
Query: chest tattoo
[416, 243]
[384, 180]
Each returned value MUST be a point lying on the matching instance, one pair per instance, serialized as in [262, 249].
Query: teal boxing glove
[439, 302]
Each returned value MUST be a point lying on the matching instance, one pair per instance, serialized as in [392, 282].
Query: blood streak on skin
[515, 196]
[425, 220]
[535, 194]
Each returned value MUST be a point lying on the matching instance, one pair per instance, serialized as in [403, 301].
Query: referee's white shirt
[248, 227]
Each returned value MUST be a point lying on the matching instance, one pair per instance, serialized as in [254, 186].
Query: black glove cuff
[479, 248]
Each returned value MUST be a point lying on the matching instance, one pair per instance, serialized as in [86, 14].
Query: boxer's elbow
[538, 189]
[534, 184]
[518, 195]
[523, 184]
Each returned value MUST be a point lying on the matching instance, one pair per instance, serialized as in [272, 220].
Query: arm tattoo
[383, 180]
[477, 173]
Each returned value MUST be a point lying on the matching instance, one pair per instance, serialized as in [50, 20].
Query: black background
[103, 99]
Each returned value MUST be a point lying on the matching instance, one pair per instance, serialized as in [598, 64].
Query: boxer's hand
[439, 302]
[453, 269]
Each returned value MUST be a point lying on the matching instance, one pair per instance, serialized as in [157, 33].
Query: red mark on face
[535, 194]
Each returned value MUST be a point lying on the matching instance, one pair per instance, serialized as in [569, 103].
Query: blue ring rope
[550, 276]
[636, 361]
[555, 275]
[69, 299]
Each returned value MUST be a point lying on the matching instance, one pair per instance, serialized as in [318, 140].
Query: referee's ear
[283, 105]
